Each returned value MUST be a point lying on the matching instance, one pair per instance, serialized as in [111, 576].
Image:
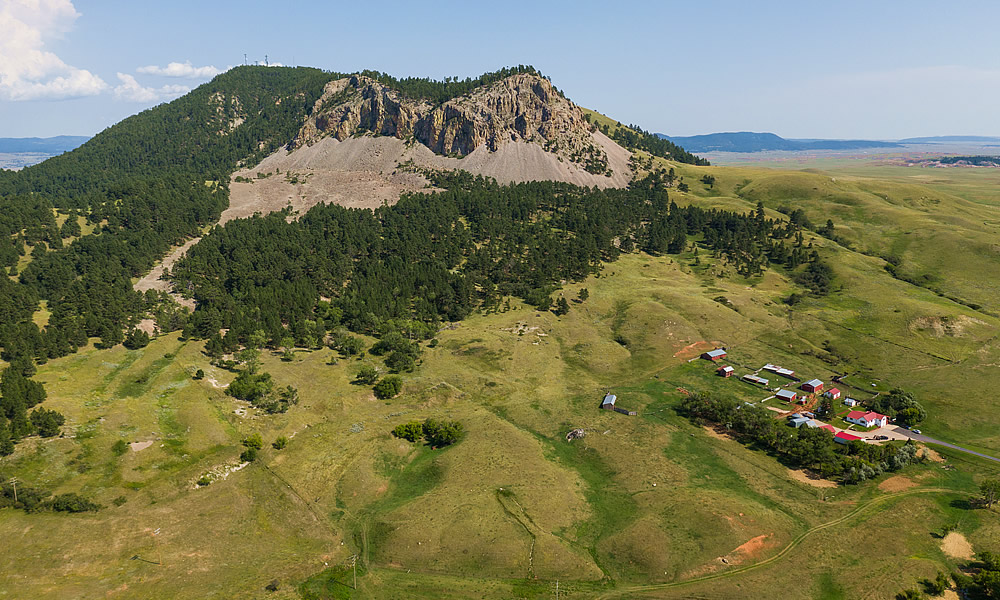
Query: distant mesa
[748, 141]
[51, 145]
[948, 139]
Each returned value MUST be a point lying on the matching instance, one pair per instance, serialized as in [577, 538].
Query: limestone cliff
[520, 108]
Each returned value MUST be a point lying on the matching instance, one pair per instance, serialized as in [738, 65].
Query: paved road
[917, 437]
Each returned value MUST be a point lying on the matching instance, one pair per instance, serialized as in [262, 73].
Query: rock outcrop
[520, 108]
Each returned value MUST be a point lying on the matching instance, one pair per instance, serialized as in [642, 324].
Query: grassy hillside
[651, 505]
[429, 523]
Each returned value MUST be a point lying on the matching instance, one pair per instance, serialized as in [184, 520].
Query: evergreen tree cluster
[18, 394]
[436, 257]
[439, 92]
[634, 137]
[145, 184]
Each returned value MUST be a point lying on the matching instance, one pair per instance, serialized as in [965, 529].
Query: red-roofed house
[829, 428]
[725, 371]
[845, 438]
[832, 393]
[867, 419]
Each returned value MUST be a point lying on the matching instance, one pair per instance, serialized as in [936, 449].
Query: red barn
[812, 386]
[714, 354]
[832, 393]
[725, 371]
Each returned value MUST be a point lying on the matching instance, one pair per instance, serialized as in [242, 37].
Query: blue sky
[799, 69]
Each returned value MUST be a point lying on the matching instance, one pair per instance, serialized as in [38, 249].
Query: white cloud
[184, 69]
[131, 90]
[27, 70]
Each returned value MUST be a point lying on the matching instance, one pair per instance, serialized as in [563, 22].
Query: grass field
[643, 506]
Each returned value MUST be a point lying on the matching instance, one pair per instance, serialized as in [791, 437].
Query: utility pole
[244, 59]
[159, 550]
[354, 565]
[266, 64]
[13, 482]
[557, 589]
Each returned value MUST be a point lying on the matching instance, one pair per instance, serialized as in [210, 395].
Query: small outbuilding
[787, 373]
[829, 428]
[609, 402]
[714, 355]
[850, 402]
[725, 371]
[845, 438]
[751, 378]
[812, 386]
[832, 393]
[798, 421]
[786, 395]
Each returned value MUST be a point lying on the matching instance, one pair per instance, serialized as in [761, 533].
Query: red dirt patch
[696, 349]
[747, 550]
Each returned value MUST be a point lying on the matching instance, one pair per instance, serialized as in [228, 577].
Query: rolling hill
[507, 258]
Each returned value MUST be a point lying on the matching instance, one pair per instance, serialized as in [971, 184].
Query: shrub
[119, 500]
[73, 503]
[204, 480]
[367, 375]
[442, 433]
[254, 441]
[388, 387]
[120, 447]
[280, 443]
[410, 432]
[249, 455]
[199, 374]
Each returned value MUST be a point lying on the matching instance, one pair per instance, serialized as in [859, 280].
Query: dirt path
[152, 280]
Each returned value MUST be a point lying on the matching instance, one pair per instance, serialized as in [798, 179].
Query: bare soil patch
[696, 349]
[897, 483]
[931, 454]
[747, 550]
[944, 326]
[717, 434]
[137, 446]
[810, 478]
[956, 546]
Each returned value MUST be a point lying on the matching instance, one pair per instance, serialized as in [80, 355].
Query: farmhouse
[787, 373]
[850, 402]
[726, 371]
[832, 393]
[812, 386]
[845, 438]
[786, 395]
[866, 419]
[750, 377]
[714, 354]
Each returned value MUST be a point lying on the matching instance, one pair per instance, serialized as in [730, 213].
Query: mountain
[746, 141]
[51, 145]
[366, 142]
[950, 138]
